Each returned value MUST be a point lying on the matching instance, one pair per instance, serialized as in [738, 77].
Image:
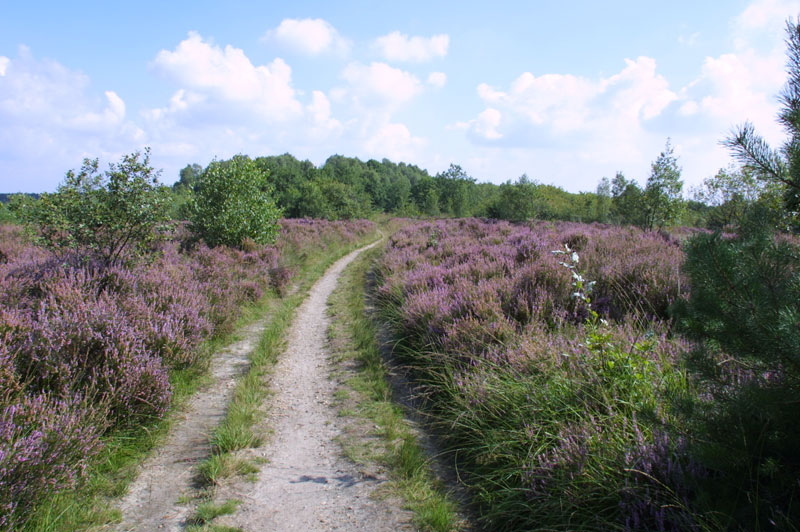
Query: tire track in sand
[308, 485]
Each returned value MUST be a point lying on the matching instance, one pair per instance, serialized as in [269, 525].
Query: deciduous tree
[232, 202]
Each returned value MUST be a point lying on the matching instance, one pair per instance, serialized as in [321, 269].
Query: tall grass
[557, 421]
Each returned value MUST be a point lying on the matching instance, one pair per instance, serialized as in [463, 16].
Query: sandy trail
[152, 499]
[308, 485]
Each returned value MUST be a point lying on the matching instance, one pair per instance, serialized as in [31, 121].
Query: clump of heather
[553, 404]
[45, 446]
[86, 347]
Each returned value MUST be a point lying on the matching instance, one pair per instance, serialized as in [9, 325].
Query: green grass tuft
[411, 476]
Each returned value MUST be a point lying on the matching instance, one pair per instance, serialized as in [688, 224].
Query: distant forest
[5, 197]
[348, 188]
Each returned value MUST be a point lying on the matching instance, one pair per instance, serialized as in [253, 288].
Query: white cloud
[380, 84]
[393, 141]
[762, 14]
[373, 93]
[570, 129]
[4, 62]
[488, 122]
[484, 126]
[309, 36]
[437, 79]
[51, 120]
[229, 76]
[113, 114]
[398, 46]
[563, 104]
[320, 111]
[734, 86]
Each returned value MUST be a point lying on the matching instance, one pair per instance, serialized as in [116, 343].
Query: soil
[306, 483]
[152, 499]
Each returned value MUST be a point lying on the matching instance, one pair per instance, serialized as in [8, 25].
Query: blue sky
[564, 94]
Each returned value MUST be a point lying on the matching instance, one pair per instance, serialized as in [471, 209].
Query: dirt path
[152, 499]
[307, 484]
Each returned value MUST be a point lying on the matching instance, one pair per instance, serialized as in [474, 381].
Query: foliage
[7, 216]
[455, 186]
[732, 192]
[112, 217]
[86, 349]
[287, 176]
[189, 175]
[233, 202]
[662, 199]
[602, 204]
[626, 201]
[515, 202]
[331, 200]
[348, 188]
[743, 312]
[556, 418]
[777, 166]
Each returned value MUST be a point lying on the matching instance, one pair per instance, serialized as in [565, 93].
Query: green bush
[233, 202]
[744, 313]
[113, 217]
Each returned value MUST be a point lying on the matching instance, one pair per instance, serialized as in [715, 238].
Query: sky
[566, 94]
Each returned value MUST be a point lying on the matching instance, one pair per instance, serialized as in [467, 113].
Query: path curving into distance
[307, 485]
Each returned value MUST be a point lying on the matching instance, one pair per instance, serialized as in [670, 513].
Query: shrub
[45, 446]
[744, 312]
[112, 217]
[85, 346]
[557, 421]
[232, 202]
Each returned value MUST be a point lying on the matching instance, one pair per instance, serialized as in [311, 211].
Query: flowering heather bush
[75, 333]
[557, 415]
[45, 445]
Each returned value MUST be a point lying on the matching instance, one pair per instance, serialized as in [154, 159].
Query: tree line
[348, 188]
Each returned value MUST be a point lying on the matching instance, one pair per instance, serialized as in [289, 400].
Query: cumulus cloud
[562, 104]
[380, 84]
[372, 95]
[309, 36]
[394, 141]
[113, 114]
[555, 127]
[4, 61]
[227, 74]
[485, 126]
[762, 14]
[323, 124]
[437, 79]
[742, 84]
[398, 46]
[558, 122]
[52, 119]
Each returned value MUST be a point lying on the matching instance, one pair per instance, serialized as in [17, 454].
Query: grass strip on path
[236, 432]
[379, 433]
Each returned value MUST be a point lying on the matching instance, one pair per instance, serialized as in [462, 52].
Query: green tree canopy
[114, 216]
[663, 203]
[233, 202]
